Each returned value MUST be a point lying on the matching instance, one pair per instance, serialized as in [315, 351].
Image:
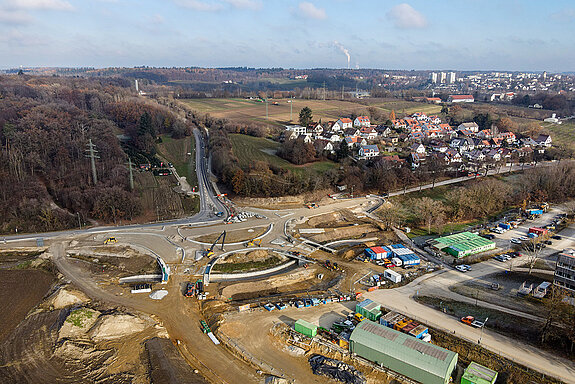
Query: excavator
[111, 240]
[209, 252]
[253, 243]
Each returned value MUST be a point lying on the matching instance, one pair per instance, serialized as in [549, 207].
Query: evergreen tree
[305, 116]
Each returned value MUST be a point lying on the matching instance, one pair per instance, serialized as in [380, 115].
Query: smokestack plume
[345, 52]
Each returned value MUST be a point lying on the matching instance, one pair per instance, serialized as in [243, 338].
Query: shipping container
[505, 226]
[376, 253]
[391, 318]
[419, 332]
[305, 328]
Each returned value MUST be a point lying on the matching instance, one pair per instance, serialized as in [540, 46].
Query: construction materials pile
[335, 369]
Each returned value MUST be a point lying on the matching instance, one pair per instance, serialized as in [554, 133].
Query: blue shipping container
[505, 226]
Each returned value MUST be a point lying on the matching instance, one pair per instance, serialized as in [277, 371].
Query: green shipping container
[478, 374]
[305, 328]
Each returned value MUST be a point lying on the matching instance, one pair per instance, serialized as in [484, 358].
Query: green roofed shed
[463, 244]
[478, 374]
[404, 354]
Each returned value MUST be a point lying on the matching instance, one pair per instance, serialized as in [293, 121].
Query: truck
[505, 226]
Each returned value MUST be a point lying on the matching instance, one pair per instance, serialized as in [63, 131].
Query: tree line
[45, 126]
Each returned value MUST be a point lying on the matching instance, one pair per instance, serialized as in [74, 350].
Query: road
[181, 320]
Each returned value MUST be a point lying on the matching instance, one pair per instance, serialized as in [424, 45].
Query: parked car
[500, 258]
[516, 241]
[523, 238]
[461, 268]
[556, 237]
[489, 236]
[548, 242]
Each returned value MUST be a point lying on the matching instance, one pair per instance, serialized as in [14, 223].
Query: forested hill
[45, 126]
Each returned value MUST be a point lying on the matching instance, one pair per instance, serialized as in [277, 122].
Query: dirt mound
[270, 283]
[353, 231]
[78, 323]
[111, 327]
[29, 355]
[65, 298]
[257, 255]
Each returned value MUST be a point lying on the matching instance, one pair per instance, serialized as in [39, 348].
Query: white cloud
[14, 17]
[245, 4]
[404, 16]
[198, 5]
[54, 5]
[310, 11]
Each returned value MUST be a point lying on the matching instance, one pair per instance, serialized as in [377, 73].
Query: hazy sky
[418, 34]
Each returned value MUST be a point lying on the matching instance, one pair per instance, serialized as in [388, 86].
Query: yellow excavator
[253, 243]
[111, 240]
[210, 251]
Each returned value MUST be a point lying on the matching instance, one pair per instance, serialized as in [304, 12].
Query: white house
[297, 129]
[418, 148]
[473, 127]
[368, 133]
[344, 123]
[332, 136]
[368, 151]
[361, 121]
[337, 126]
[315, 128]
[543, 141]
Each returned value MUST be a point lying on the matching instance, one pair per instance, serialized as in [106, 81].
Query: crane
[210, 251]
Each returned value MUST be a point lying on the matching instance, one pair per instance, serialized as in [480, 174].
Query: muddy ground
[20, 291]
[167, 365]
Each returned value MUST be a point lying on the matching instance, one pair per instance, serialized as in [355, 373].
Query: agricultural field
[249, 149]
[325, 110]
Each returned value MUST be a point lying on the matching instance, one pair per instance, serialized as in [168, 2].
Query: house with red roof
[345, 123]
[362, 121]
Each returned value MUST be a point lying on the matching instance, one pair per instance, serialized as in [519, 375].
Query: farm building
[369, 309]
[463, 244]
[404, 354]
[478, 374]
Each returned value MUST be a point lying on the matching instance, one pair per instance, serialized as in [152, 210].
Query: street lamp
[483, 326]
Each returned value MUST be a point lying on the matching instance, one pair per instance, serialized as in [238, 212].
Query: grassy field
[249, 149]
[325, 110]
[563, 134]
[175, 151]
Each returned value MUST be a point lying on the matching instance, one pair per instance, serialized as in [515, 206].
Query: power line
[93, 155]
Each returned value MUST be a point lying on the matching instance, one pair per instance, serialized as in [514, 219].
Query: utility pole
[291, 109]
[324, 90]
[131, 174]
[267, 109]
[93, 155]
[342, 88]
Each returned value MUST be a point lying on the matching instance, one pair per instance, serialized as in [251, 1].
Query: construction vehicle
[190, 290]
[210, 251]
[253, 243]
[111, 240]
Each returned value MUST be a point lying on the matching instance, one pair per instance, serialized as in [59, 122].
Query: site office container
[409, 327]
[305, 328]
[391, 318]
[505, 226]
[392, 275]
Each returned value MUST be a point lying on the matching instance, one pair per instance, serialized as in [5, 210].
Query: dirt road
[177, 316]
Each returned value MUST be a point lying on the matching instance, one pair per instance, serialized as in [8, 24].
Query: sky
[512, 35]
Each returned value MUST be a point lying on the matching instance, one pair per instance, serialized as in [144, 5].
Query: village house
[323, 145]
[418, 148]
[543, 141]
[368, 133]
[344, 123]
[362, 121]
[472, 127]
[355, 141]
[368, 151]
[351, 132]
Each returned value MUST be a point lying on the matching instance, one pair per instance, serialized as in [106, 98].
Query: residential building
[298, 129]
[368, 151]
[368, 133]
[345, 123]
[473, 127]
[543, 141]
[451, 78]
[433, 77]
[565, 272]
[362, 121]
[418, 148]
